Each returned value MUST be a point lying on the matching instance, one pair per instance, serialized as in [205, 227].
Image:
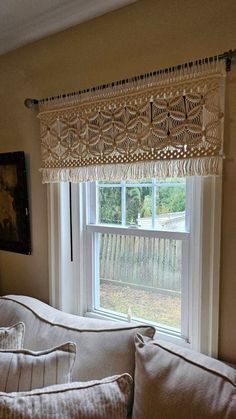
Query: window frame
[93, 227]
[69, 292]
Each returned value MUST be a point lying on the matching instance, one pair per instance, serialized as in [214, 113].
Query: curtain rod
[228, 56]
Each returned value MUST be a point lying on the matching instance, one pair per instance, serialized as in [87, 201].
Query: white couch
[169, 382]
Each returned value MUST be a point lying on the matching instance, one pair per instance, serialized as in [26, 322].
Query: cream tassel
[142, 170]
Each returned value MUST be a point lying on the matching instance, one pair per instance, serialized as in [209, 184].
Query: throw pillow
[106, 348]
[103, 399]
[12, 337]
[174, 382]
[23, 370]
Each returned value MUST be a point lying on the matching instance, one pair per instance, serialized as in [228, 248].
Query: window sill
[170, 335]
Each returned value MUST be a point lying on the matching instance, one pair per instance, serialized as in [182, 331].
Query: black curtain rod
[229, 57]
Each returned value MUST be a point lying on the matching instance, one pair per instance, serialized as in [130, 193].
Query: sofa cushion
[12, 337]
[106, 348]
[173, 382]
[23, 370]
[103, 399]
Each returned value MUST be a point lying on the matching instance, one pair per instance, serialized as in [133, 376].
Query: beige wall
[147, 35]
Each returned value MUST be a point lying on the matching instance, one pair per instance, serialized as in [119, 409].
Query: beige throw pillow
[23, 370]
[105, 399]
[12, 337]
[176, 383]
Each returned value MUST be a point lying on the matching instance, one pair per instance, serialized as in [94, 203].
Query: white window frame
[92, 227]
[71, 292]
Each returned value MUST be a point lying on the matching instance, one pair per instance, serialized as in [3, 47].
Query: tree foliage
[169, 199]
[110, 205]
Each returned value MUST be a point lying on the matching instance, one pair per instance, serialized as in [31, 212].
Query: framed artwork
[14, 208]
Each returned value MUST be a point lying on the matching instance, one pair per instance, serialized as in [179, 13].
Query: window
[138, 242]
[145, 249]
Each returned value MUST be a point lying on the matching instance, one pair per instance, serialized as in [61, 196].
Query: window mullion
[176, 235]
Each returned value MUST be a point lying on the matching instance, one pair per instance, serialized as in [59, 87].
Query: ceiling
[25, 21]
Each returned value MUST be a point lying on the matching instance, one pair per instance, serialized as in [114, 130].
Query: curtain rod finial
[230, 58]
[31, 103]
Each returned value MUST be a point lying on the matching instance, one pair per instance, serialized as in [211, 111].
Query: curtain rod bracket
[31, 103]
[228, 61]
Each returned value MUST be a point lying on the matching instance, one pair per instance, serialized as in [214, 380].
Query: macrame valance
[168, 125]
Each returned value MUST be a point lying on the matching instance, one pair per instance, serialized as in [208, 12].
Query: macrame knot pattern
[145, 123]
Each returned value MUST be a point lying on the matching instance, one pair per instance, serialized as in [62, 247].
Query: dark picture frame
[14, 206]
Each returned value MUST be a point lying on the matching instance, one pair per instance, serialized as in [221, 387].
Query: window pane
[141, 273]
[170, 204]
[109, 204]
[139, 206]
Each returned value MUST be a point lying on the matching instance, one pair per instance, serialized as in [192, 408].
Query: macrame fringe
[206, 166]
